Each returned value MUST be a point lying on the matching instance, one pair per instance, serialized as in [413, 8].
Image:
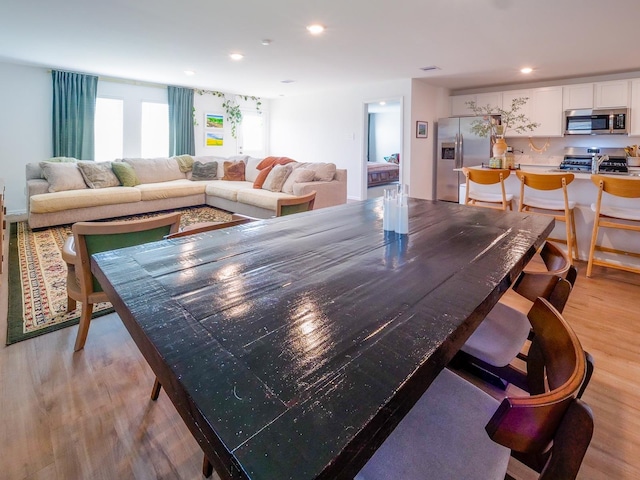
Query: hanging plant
[232, 109]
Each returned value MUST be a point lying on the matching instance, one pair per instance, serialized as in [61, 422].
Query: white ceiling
[475, 43]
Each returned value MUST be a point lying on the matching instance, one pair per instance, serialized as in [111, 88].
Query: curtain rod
[121, 80]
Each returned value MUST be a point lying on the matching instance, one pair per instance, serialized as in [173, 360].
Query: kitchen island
[584, 193]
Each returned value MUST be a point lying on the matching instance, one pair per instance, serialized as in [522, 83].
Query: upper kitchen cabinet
[611, 94]
[544, 106]
[577, 97]
[546, 109]
[634, 125]
[459, 105]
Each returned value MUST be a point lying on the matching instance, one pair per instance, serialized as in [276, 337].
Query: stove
[579, 159]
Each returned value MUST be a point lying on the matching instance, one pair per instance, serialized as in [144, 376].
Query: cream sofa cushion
[299, 175]
[172, 189]
[227, 189]
[155, 170]
[261, 198]
[251, 172]
[70, 199]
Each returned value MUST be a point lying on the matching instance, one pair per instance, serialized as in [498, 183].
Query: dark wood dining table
[291, 347]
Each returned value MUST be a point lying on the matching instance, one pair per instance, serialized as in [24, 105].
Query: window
[108, 136]
[155, 130]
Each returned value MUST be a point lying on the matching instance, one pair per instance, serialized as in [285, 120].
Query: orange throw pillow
[265, 167]
[271, 161]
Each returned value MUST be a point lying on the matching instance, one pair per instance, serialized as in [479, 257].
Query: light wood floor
[88, 415]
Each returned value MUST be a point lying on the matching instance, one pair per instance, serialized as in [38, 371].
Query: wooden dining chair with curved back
[560, 209]
[291, 205]
[485, 198]
[94, 237]
[614, 217]
[456, 430]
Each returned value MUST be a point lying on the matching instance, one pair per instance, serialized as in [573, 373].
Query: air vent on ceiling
[429, 68]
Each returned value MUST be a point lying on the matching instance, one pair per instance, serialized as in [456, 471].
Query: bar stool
[561, 210]
[623, 218]
[487, 199]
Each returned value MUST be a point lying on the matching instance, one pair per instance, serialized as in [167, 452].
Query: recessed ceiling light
[266, 42]
[315, 29]
[287, 81]
[526, 70]
[189, 72]
[429, 68]
[236, 56]
[383, 103]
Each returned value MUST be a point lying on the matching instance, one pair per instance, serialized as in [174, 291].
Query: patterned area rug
[38, 276]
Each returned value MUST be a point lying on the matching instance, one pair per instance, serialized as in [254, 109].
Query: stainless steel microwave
[596, 122]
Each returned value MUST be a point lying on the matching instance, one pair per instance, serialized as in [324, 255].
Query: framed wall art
[422, 129]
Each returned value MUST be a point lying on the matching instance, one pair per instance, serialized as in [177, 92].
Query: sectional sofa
[63, 191]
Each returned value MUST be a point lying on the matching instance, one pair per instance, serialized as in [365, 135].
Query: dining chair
[291, 205]
[94, 237]
[616, 217]
[484, 198]
[456, 430]
[560, 209]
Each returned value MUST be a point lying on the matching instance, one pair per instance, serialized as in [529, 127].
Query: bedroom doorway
[383, 145]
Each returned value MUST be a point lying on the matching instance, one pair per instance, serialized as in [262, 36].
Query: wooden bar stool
[623, 218]
[487, 199]
[561, 210]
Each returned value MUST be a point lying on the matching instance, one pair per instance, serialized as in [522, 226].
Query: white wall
[330, 127]
[207, 103]
[428, 103]
[386, 137]
[25, 127]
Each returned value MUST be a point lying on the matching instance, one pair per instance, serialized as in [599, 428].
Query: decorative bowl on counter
[633, 161]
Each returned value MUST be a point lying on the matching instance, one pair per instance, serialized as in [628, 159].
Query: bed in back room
[380, 173]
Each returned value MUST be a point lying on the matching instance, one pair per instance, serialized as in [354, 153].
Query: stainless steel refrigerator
[457, 147]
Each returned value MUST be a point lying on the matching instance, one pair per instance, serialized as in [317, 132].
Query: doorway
[383, 145]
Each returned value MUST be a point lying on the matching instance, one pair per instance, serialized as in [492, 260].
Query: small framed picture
[422, 129]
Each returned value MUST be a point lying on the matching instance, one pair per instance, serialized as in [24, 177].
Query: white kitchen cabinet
[546, 109]
[634, 125]
[575, 97]
[612, 94]
[507, 99]
[544, 106]
[494, 99]
[459, 105]
[459, 102]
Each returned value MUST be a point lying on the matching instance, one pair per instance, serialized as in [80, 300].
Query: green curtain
[74, 108]
[181, 136]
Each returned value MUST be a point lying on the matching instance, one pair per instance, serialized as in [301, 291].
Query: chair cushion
[548, 204]
[618, 212]
[442, 437]
[500, 336]
[489, 197]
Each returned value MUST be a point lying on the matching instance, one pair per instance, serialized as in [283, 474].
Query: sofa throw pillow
[276, 178]
[234, 171]
[98, 174]
[156, 170]
[62, 176]
[299, 175]
[393, 158]
[125, 173]
[270, 161]
[261, 177]
[325, 172]
[204, 171]
[62, 159]
[251, 171]
[185, 162]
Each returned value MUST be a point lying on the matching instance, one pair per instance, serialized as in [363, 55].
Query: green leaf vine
[231, 107]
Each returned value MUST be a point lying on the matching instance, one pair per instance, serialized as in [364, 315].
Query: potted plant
[490, 126]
